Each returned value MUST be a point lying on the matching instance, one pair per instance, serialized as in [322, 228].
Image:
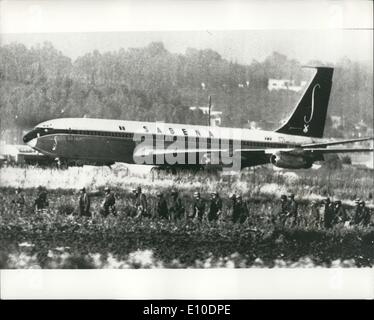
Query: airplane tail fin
[309, 116]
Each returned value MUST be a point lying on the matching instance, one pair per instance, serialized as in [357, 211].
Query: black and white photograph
[186, 135]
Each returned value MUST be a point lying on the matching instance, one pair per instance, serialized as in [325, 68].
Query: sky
[239, 31]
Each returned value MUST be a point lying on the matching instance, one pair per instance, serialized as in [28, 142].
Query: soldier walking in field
[84, 203]
[41, 201]
[314, 214]
[215, 207]
[362, 215]
[19, 200]
[132, 203]
[161, 207]
[240, 211]
[340, 215]
[141, 204]
[328, 213]
[198, 207]
[233, 208]
[366, 216]
[293, 210]
[357, 214]
[283, 214]
[108, 204]
[176, 209]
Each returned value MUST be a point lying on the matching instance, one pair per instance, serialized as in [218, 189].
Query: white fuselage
[115, 140]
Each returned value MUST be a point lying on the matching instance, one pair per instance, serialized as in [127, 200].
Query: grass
[56, 240]
[344, 184]
[59, 242]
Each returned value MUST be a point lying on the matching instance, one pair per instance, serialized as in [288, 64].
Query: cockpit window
[35, 133]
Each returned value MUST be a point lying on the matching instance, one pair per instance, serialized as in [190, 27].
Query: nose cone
[30, 138]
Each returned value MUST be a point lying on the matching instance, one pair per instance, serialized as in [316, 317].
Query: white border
[34, 16]
[335, 283]
[39, 16]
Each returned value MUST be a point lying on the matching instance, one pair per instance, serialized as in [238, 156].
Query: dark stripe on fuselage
[40, 132]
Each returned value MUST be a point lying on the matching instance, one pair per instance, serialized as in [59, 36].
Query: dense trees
[153, 84]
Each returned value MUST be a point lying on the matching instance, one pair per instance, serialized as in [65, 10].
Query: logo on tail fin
[306, 128]
[309, 115]
[307, 121]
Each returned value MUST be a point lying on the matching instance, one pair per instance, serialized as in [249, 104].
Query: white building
[14, 153]
[253, 125]
[285, 84]
[336, 121]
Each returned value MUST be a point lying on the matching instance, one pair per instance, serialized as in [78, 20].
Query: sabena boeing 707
[297, 144]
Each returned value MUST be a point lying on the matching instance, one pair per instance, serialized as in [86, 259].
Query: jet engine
[290, 161]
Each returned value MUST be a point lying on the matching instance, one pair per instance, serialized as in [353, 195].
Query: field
[55, 239]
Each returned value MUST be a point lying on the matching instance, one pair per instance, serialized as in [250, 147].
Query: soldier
[108, 204]
[314, 215]
[141, 203]
[240, 212]
[233, 211]
[366, 216]
[198, 207]
[176, 209]
[357, 215]
[161, 207]
[328, 213]
[340, 215]
[293, 210]
[84, 203]
[283, 214]
[19, 199]
[41, 201]
[132, 203]
[215, 207]
[362, 215]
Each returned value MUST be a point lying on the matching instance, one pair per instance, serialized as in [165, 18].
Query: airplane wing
[332, 143]
[299, 151]
[293, 158]
[150, 151]
[337, 150]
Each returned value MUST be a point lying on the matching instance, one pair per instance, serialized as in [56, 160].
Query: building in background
[336, 121]
[285, 84]
[22, 154]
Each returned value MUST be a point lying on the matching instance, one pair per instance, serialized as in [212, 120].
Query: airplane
[297, 144]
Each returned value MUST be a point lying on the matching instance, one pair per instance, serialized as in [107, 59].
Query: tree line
[153, 84]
